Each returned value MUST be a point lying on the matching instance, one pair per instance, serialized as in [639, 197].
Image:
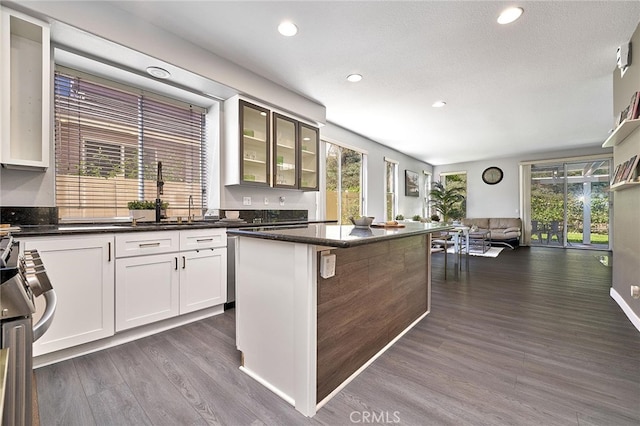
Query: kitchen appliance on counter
[23, 278]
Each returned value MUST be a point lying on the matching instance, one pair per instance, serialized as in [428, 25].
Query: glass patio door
[570, 204]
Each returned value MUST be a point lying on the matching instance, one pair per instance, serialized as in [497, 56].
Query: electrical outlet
[635, 291]
[246, 201]
[281, 201]
[327, 265]
[266, 201]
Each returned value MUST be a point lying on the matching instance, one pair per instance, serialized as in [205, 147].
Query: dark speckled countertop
[332, 235]
[101, 228]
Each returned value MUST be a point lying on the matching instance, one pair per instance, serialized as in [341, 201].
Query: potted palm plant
[446, 200]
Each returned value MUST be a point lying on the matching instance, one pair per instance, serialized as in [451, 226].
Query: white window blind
[109, 139]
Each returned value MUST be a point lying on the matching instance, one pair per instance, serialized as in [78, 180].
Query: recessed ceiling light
[438, 104]
[158, 72]
[509, 15]
[354, 78]
[287, 29]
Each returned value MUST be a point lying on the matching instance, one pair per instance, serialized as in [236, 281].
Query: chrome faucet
[189, 219]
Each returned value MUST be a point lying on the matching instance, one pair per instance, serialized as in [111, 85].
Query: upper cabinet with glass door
[255, 145]
[286, 158]
[309, 159]
[285, 152]
[247, 150]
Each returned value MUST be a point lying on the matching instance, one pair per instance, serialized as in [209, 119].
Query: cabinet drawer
[141, 243]
[195, 239]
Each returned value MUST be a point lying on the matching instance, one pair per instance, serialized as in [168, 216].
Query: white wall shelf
[24, 83]
[621, 133]
[623, 185]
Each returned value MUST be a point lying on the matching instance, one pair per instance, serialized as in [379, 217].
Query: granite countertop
[102, 228]
[332, 235]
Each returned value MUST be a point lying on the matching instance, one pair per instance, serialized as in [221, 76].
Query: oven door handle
[47, 317]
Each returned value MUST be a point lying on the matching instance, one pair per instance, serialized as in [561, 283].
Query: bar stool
[446, 239]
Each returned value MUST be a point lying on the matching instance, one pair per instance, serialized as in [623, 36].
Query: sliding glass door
[570, 204]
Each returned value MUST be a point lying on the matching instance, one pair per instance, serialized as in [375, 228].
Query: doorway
[570, 204]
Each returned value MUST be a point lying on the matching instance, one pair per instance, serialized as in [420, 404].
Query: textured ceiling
[539, 84]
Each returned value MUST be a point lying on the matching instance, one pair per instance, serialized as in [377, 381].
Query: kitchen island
[304, 336]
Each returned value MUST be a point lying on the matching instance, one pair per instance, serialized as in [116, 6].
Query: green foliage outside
[547, 204]
[351, 164]
[459, 183]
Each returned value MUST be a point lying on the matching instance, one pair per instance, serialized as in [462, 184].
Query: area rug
[492, 252]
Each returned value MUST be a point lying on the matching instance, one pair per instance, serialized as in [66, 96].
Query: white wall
[502, 199]
[626, 203]
[108, 23]
[408, 206]
[232, 196]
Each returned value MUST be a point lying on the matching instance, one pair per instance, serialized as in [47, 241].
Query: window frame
[198, 180]
[363, 177]
[394, 193]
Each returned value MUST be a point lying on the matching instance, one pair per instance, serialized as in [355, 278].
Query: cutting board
[384, 225]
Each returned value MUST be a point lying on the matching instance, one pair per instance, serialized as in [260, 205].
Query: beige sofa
[504, 231]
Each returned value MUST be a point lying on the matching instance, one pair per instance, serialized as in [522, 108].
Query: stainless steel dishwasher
[231, 272]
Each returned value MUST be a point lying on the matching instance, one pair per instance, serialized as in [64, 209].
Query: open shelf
[621, 132]
[623, 185]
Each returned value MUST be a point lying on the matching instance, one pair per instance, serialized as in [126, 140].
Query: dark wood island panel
[379, 290]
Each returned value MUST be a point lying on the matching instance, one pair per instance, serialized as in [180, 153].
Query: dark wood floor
[529, 338]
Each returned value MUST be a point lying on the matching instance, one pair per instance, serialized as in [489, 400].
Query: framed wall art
[411, 184]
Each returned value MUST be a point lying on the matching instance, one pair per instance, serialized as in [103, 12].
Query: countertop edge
[110, 228]
[331, 242]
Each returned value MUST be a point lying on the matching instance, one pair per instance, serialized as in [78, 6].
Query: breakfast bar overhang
[304, 336]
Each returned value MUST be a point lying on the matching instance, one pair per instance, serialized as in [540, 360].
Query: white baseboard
[125, 336]
[635, 320]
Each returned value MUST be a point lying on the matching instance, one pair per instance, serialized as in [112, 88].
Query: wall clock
[492, 175]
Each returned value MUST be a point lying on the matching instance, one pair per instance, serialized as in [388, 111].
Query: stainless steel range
[23, 278]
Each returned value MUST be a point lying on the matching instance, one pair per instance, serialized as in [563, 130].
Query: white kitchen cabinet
[145, 243]
[196, 239]
[25, 80]
[203, 272]
[81, 270]
[146, 289]
[160, 275]
[203, 276]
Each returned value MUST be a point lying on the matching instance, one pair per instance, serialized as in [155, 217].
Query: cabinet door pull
[176, 258]
[204, 240]
[149, 244]
[184, 262]
[109, 250]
